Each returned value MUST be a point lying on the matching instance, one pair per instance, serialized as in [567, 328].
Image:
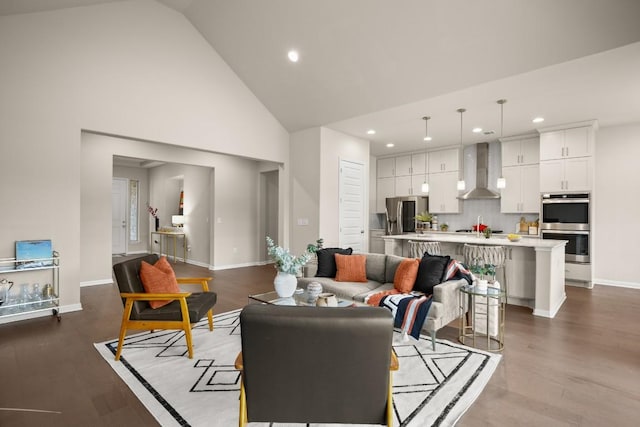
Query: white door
[352, 205]
[119, 216]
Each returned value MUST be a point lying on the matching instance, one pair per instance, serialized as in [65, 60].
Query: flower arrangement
[152, 211]
[288, 263]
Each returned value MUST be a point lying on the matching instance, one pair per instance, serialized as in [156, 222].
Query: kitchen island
[535, 267]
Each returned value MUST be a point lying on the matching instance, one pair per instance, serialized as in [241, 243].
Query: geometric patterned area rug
[430, 388]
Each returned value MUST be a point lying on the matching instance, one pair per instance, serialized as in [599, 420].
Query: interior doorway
[119, 196]
[269, 194]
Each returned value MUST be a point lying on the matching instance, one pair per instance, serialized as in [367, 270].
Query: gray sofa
[381, 269]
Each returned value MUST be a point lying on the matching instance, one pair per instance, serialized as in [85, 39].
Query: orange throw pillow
[351, 268]
[406, 275]
[158, 279]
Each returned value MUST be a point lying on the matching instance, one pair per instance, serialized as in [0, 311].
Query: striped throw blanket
[409, 311]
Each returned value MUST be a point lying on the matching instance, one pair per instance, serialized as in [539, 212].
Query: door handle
[399, 217]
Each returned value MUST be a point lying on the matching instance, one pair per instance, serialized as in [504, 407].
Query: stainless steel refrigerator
[401, 213]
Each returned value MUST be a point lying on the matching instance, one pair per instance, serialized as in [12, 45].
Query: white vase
[285, 284]
[482, 285]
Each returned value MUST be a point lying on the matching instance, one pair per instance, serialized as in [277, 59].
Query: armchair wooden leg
[210, 317]
[390, 402]
[242, 416]
[123, 327]
[186, 326]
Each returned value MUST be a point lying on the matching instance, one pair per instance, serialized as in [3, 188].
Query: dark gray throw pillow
[327, 261]
[430, 272]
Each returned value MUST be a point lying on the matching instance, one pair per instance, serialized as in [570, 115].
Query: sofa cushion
[362, 297]
[430, 272]
[406, 274]
[327, 261]
[391, 265]
[351, 268]
[375, 267]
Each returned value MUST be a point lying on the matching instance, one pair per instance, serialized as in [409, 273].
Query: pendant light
[461, 185]
[425, 184]
[502, 183]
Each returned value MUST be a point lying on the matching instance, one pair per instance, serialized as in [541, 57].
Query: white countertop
[527, 242]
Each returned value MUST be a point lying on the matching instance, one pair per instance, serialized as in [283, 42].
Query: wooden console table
[175, 234]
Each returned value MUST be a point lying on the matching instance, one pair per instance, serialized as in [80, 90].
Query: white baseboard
[41, 313]
[618, 283]
[247, 264]
[96, 282]
[554, 310]
[197, 263]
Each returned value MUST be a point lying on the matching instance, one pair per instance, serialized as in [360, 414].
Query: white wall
[306, 175]
[233, 195]
[133, 68]
[617, 205]
[336, 146]
[164, 195]
[315, 170]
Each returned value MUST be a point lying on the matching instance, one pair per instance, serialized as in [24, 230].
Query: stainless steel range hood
[482, 176]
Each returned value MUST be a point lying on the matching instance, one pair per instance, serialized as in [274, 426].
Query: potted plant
[481, 273]
[288, 266]
[423, 220]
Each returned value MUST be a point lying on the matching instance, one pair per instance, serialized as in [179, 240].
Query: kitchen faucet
[478, 226]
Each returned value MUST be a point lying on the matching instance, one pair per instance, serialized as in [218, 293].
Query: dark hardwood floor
[581, 368]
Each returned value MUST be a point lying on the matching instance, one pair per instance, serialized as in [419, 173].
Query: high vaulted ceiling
[383, 65]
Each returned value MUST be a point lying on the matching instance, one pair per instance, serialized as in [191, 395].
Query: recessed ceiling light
[427, 138]
[293, 55]
[371, 132]
[538, 120]
[476, 130]
[389, 145]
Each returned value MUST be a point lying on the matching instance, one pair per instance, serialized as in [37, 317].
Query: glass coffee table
[299, 299]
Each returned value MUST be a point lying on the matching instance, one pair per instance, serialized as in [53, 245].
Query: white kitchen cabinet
[409, 185]
[443, 194]
[566, 175]
[419, 164]
[385, 188]
[567, 143]
[522, 193]
[403, 186]
[416, 185]
[520, 271]
[444, 160]
[386, 167]
[518, 151]
[376, 244]
[403, 165]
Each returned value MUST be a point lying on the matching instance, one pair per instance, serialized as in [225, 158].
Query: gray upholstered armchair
[316, 365]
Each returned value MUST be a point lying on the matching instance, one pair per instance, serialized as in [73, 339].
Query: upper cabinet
[566, 157]
[567, 143]
[518, 151]
[444, 160]
[419, 164]
[386, 167]
[403, 165]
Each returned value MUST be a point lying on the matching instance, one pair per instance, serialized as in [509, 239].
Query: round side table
[485, 320]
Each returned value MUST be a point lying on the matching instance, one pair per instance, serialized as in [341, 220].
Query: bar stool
[487, 254]
[418, 248]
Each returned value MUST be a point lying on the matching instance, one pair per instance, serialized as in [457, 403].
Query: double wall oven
[567, 217]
